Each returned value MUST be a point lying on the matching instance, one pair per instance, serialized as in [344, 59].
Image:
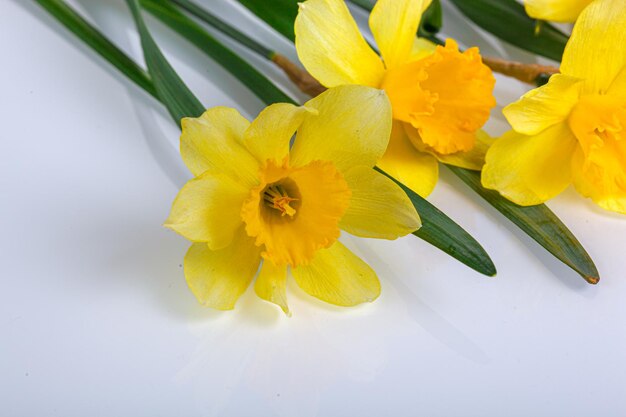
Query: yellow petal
[421, 49]
[618, 87]
[378, 207]
[218, 278]
[331, 47]
[214, 141]
[394, 24]
[403, 86]
[207, 210]
[338, 276]
[268, 135]
[530, 170]
[544, 106]
[599, 123]
[555, 10]
[473, 159]
[417, 170]
[352, 128]
[596, 51]
[604, 183]
[271, 283]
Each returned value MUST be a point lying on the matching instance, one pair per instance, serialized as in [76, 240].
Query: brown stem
[528, 73]
[302, 79]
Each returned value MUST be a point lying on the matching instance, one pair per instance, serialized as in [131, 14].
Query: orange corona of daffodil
[440, 96]
[573, 129]
[555, 10]
[254, 198]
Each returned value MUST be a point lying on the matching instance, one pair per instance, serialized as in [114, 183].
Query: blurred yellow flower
[440, 96]
[573, 129]
[555, 10]
[254, 198]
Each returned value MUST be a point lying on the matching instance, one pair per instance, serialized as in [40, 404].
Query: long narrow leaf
[508, 20]
[172, 91]
[440, 231]
[84, 31]
[538, 222]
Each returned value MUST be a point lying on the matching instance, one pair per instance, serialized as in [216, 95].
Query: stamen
[277, 198]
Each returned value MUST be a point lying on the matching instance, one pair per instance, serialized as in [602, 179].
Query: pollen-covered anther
[277, 198]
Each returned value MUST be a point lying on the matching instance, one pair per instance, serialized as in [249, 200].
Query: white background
[96, 318]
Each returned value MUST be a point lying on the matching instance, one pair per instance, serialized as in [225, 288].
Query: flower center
[275, 196]
[295, 211]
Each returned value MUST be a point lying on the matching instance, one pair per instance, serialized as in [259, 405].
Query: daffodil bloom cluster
[555, 10]
[256, 198]
[573, 129]
[440, 96]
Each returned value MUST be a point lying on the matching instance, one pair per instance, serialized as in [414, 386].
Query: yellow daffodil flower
[555, 10]
[573, 129]
[254, 198]
[440, 96]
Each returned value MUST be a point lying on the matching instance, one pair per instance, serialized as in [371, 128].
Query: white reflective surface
[96, 319]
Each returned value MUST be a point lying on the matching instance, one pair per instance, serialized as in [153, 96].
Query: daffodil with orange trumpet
[255, 199]
[573, 129]
[440, 97]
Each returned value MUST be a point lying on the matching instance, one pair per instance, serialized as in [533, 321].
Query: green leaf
[541, 224]
[279, 14]
[440, 231]
[194, 33]
[432, 20]
[172, 91]
[84, 31]
[507, 19]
